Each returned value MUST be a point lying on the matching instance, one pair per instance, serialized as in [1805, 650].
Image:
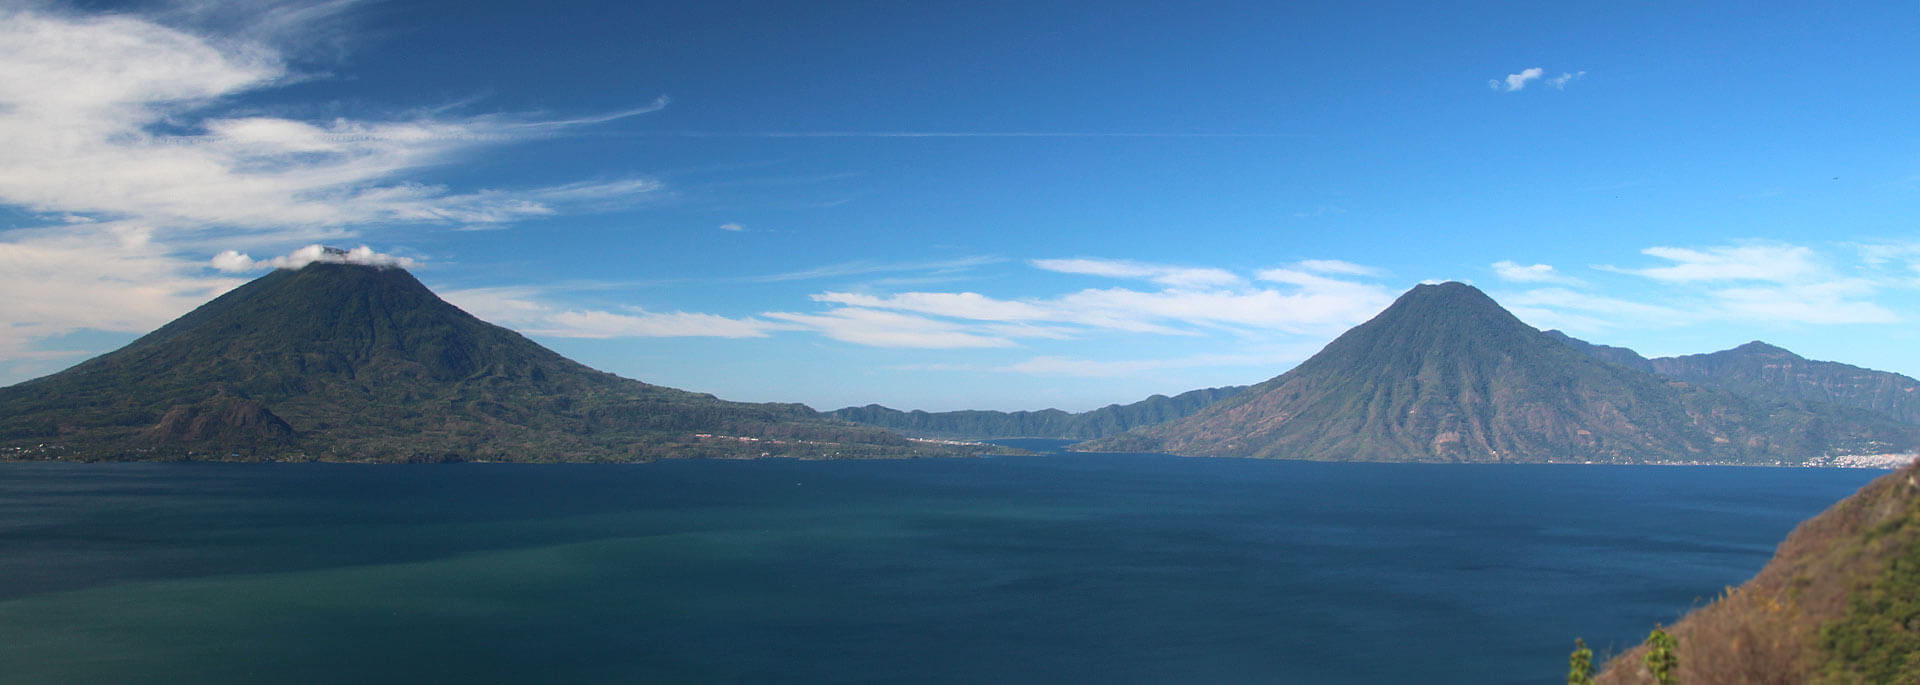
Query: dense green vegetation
[1047, 423]
[1446, 374]
[1662, 661]
[344, 362]
[1878, 639]
[1580, 664]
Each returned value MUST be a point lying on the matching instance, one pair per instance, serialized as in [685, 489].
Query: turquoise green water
[1089, 568]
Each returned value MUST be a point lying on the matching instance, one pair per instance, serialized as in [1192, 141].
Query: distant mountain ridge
[1763, 370]
[1046, 423]
[351, 362]
[1446, 374]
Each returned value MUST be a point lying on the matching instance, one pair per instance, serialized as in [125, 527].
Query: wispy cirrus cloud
[1276, 359]
[1747, 262]
[1896, 261]
[1336, 266]
[1192, 301]
[1752, 282]
[86, 98]
[961, 134]
[869, 268]
[532, 311]
[118, 130]
[878, 328]
[1295, 303]
[1174, 276]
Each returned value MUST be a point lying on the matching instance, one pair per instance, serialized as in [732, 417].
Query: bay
[1059, 567]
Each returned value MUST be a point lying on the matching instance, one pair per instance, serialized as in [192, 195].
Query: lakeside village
[749, 439]
[52, 452]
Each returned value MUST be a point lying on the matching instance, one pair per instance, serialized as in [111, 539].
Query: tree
[1661, 660]
[1580, 665]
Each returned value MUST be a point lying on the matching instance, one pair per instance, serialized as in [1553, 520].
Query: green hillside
[347, 362]
[1046, 423]
[1446, 374]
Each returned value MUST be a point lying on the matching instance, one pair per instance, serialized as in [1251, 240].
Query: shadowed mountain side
[348, 362]
[1837, 603]
[1446, 374]
[1046, 423]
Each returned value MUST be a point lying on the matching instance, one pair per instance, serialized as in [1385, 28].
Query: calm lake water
[1090, 568]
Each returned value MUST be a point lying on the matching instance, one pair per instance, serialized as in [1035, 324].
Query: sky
[972, 205]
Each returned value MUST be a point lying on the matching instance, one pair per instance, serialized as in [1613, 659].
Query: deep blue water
[1089, 568]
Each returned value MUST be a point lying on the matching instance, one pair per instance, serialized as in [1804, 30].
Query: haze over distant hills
[1446, 374]
[1046, 423]
[351, 362]
[1757, 368]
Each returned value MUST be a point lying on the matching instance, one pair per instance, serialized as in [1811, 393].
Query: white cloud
[644, 324]
[1276, 359]
[865, 268]
[237, 262]
[1901, 257]
[1752, 262]
[963, 305]
[1173, 276]
[1609, 307]
[732, 227]
[1766, 283]
[892, 329]
[596, 194]
[117, 127]
[1830, 302]
[526, 310]
[1561, 81]
[107, 276]
[1518, 81]
[1336, 266]
[1313, 303]
[1531, 273]
[84, 96]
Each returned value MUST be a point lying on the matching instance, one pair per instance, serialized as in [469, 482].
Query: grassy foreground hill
[358, 363]
[1446, 374]
[1839, 603]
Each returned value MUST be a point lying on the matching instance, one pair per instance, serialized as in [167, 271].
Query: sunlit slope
[1838, 603]
[1446, 374]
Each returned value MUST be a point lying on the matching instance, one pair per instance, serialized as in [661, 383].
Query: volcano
[1445, 374]
[350, 362]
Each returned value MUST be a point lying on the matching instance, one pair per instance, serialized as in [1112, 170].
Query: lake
[1059, 567]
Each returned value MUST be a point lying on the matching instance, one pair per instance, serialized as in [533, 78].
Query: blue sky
[972, 205]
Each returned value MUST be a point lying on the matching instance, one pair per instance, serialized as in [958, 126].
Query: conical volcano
[1446, 374]
[352, 362]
